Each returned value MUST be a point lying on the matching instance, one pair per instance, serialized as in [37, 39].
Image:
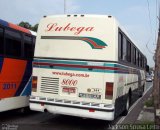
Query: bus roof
[14, 26]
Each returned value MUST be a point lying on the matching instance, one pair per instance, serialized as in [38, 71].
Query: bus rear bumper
[79, 111]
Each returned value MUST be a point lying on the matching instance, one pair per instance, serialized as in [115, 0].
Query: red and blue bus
[16, 54]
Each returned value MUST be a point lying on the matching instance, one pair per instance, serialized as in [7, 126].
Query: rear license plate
[69, 90]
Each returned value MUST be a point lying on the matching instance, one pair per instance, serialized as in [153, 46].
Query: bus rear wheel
[128, 104]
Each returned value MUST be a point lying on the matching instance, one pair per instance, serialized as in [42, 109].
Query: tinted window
[13, 43]
[134, 55]
[34, 40]
[120, 41]
[140, 60]
[137, 58]
[1, 41]
[28, 47]
[145, 63]
[128, 51]
[124, 49]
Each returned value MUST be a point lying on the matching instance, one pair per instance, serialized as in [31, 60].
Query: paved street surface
[46, 121]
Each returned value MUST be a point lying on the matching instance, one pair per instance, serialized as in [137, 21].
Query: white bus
[85, 66]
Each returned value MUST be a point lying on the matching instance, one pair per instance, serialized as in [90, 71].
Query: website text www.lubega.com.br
[71, 74]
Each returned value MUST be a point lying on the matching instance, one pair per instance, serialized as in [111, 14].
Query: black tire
[128, 104]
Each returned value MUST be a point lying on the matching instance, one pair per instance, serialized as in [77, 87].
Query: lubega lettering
[68, 27]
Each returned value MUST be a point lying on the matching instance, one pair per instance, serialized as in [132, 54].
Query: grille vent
[49, 85]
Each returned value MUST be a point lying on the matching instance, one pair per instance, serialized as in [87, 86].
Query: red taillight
[42, 104]
[34, 83]
[91, 110]
[109, 90]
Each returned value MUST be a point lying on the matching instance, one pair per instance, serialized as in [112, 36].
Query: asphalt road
[31, 120]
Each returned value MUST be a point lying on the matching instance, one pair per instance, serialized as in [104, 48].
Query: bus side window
[137, 57]
[128, 51]
[1, 41]
[28, 47]
[120, 43]
[124, 49]
[13, 43]
[134, 55]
